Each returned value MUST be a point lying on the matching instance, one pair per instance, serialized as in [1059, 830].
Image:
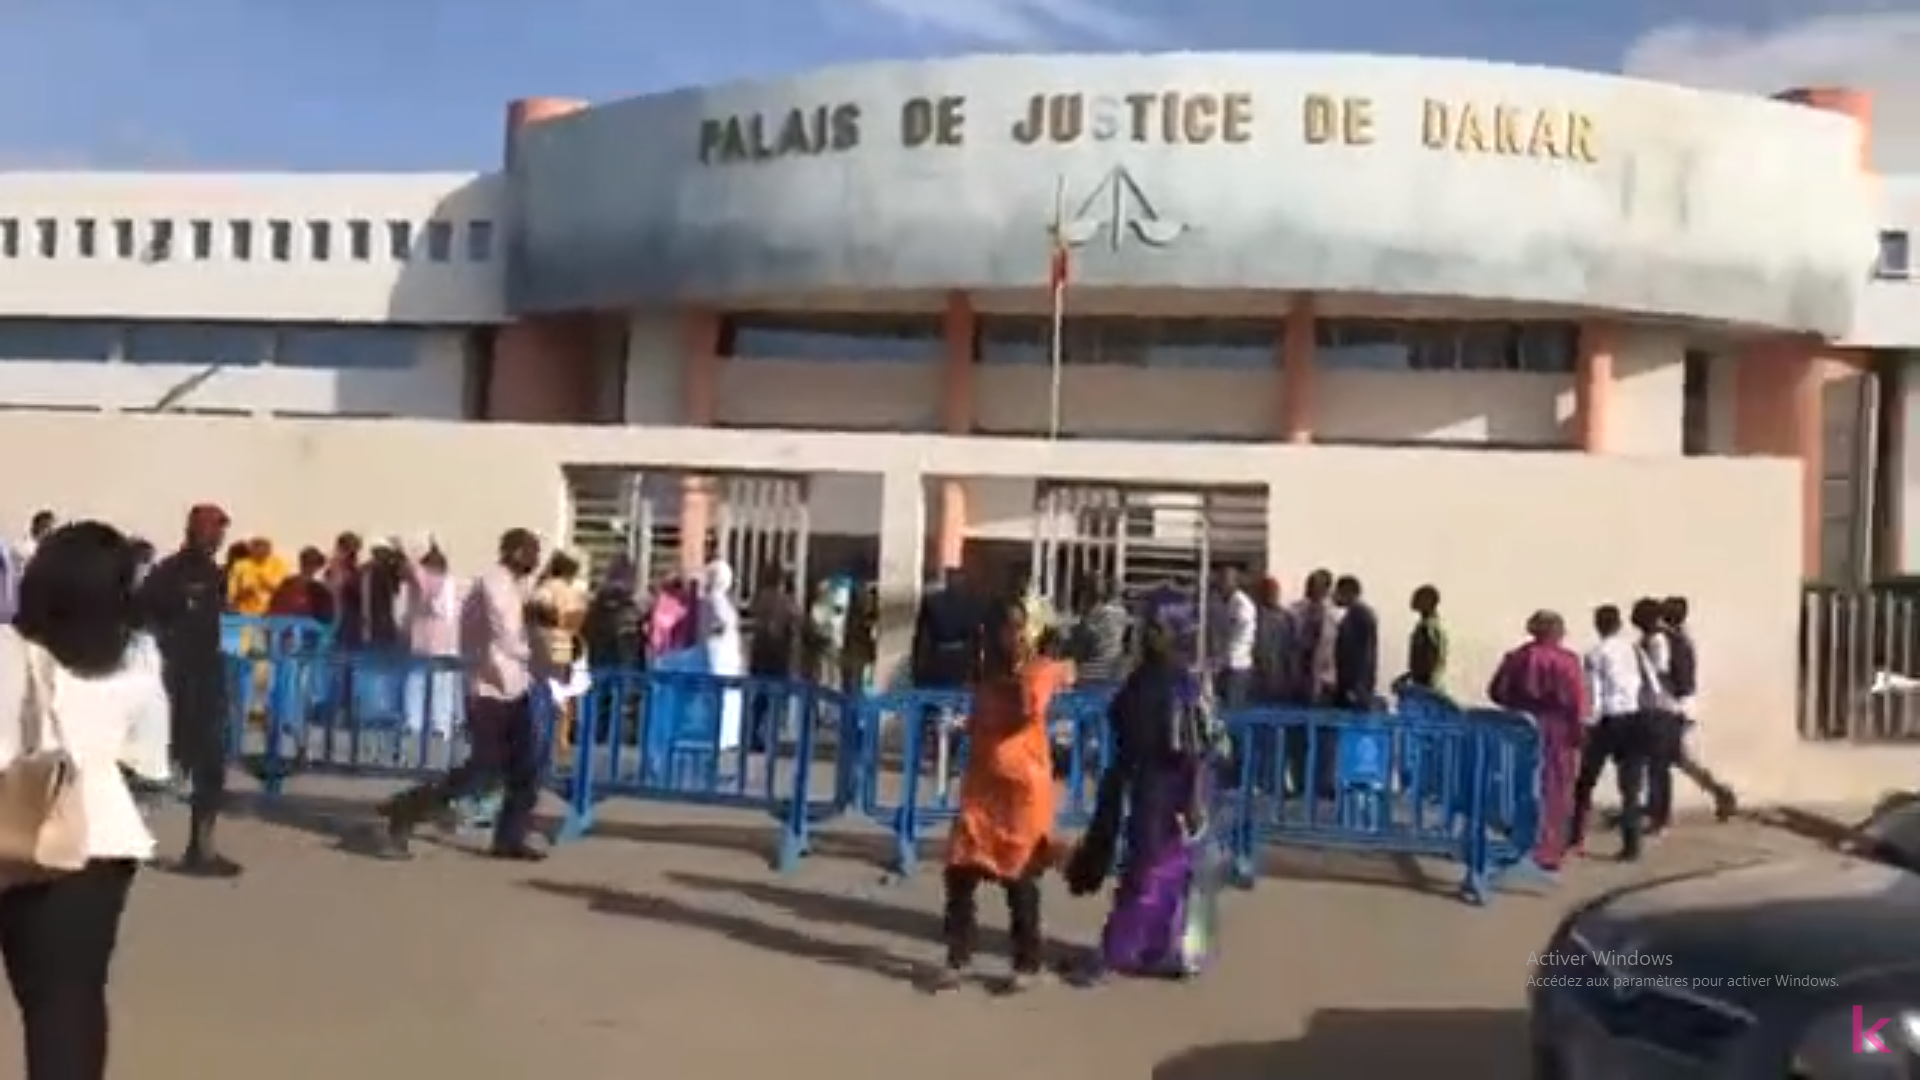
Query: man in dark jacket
[947, 634]
[182, 600]
[1683, 682]
[1356, 649]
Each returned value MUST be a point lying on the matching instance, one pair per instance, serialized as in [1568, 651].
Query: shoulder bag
[43, 825]
[1654, 696]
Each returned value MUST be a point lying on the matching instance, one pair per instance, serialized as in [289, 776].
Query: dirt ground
[665, 947]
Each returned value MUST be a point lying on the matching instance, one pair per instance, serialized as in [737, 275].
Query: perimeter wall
[1500, 533]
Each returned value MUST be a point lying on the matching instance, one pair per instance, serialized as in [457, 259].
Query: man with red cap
[182, 599]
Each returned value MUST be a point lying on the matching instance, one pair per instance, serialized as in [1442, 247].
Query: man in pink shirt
[496, 645]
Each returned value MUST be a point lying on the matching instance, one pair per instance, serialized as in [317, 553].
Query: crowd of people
[1629, 703]
[117, 660]
[113, 678]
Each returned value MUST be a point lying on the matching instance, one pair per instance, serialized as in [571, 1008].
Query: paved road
[666, 948]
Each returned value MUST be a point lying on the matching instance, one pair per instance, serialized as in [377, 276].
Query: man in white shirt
[496, 645]
[1619, 732]
[1234, 622]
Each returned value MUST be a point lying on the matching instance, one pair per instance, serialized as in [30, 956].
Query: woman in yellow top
[563, 597]
[254, 577]
[1004, 831]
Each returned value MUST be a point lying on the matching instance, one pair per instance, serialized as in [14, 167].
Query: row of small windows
[246, 240]
[312, 345]
[1543, 347]
[1896, 256]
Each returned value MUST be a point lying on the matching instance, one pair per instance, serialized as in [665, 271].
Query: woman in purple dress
[1150, 796]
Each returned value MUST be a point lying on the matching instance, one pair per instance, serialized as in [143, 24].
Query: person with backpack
[1683, 682]
[1654, 654]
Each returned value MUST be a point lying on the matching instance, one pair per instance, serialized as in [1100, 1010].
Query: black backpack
[1683, 666]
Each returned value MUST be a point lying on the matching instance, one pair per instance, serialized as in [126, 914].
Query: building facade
[1302, 249]
[1426, 320]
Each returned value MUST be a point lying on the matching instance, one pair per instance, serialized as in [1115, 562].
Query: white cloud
[1877, 51]
[1016, 23]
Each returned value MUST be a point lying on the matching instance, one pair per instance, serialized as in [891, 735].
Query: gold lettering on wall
[1346, 121]
[1162, 117]
[1168, 117]
[798, 132]
[1471, 127]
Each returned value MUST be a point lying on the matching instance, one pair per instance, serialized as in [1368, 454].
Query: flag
[1059, 266]
[1060, 262]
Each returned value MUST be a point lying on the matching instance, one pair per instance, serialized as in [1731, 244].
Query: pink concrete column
[1855, 104]
[699, 407]
[1777, 413]
[960, 327]
[1593, 388]
[525, 112]
[543, 371]
[1779, 405]
[542, 365]
[1296, 362]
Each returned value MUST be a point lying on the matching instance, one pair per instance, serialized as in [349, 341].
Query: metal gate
[760, 524]
[624, 512]
[1142, 540]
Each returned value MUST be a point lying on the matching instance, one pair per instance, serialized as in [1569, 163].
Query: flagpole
[1057, 286]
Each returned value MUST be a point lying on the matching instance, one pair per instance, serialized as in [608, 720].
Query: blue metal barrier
[267, 636]
[1430, 779]
[362, 714]
[913, 749]
[708, 740]
[1460, 786]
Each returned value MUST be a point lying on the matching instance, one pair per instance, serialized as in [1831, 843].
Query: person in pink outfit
[670, 621]
[433, 632]
[1543, 679]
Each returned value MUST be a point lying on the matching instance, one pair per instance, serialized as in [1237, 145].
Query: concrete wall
[1889, 311]
[1326, 173]
[1397, 518]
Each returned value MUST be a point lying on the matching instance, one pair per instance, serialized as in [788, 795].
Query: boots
[202, 858]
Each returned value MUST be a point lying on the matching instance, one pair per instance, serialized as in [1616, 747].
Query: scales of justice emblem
[1117, 212]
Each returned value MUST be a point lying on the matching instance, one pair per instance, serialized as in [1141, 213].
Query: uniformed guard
[182, 600]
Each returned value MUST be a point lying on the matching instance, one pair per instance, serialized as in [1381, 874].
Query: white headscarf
[719, 614]
[718, 578]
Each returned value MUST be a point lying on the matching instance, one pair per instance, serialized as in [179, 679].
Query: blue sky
[418, 84]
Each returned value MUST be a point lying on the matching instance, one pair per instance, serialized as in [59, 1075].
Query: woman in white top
[726, 652]
[109, 712]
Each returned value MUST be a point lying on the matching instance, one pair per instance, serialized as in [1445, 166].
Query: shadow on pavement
[870, 915]
[1346, 1044]
[352, 824]
[1402, 872]
[347, 822]
[760, 839]
[744, 929]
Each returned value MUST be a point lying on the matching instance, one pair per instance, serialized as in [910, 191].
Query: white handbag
[43, 821]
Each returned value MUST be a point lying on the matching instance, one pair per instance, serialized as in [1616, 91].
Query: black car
[1794, 968]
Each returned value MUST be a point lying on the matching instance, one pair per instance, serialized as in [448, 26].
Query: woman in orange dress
[1004, 831]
